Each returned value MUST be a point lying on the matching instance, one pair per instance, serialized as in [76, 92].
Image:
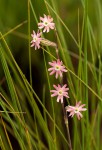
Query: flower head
[36, 39]
[60, 92]
[57, 68]
[47, 23]
[76, 110]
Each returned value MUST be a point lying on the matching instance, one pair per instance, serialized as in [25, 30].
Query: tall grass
[29, 118]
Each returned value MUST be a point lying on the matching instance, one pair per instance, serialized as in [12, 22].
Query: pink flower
[57, 68]
[36, 39]
[76, 110]
[47, 23]
[60, 92]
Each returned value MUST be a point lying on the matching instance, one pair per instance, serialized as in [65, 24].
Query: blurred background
[13, 13]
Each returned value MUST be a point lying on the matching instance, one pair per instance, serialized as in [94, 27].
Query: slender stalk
[67, 126]
[2, 144]
[7, 136]
[85, 69]
[56, 35]
[53, 111]
[13, 29]
[30, 70]
[64, 111]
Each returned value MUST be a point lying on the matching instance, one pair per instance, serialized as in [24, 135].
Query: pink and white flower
[60, 92]
[76, 110]
[36, 39]
[47, 23]
[57, 68]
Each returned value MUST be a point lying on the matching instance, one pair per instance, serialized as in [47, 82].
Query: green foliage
[29, 118]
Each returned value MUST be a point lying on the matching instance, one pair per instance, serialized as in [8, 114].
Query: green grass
[29, 118]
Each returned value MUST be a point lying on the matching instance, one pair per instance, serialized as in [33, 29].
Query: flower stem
[57, 52]
[64, 111]
[67, 126]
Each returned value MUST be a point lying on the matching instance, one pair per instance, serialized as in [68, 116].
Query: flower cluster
[56, 67]
[46, 24]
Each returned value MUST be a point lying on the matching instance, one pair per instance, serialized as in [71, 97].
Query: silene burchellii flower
[76, 110]
[36, 39]
[46, 23]
[60, 92]
[57, 68]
